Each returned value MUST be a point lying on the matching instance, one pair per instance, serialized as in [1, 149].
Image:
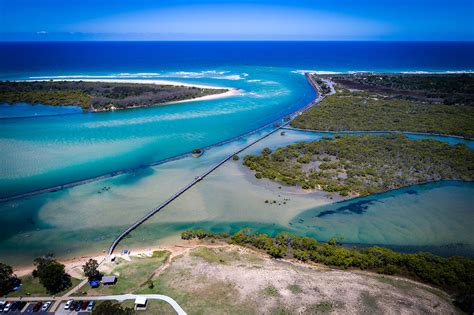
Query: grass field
[131, 275]
[34, 288]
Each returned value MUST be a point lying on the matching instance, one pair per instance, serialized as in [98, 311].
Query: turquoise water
[48, 151]
[23, 110]
[66, 146]
[86, 218]
[437, 215]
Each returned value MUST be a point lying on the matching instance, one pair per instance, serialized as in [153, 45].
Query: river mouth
[54, 150]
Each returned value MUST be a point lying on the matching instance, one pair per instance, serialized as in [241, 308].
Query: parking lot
[28, 307]
[35, 308]
[63, 311]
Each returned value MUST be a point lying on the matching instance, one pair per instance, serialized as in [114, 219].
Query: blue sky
[236, 20]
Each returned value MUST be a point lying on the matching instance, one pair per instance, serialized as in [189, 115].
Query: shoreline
[226, 141]
[133, 81]
[415, 133]
[230, 91]
[73, 264]
[174, 241]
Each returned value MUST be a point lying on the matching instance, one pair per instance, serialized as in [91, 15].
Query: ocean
[25, 59]
[43, 146]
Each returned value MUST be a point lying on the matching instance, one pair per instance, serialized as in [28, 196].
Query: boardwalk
[199, 178]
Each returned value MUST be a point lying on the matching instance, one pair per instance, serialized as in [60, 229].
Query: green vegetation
[271, 291]
[454, 274]
[31, 286]
[320, 308]
[91, 270]
[446, 88]
[51, 274]
[363, 165]
[153, 307]
[109, 307]
[97, 95]
[380, 104]
[199, 234]
[7, 279]
[347, 111]
[295, 289]
[325, 89]
[131, 275]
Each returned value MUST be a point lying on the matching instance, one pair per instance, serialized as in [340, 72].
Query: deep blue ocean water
[64, 145]
[20, 59]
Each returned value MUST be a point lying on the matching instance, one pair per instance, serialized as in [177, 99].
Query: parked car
[37, 307]
[2, 305]
[91, 305]
[7, 307]
[77, 306]
[14, 306]
[84, 305]
[72, 306]
[46, 306]
[20, 305]
[68, 304]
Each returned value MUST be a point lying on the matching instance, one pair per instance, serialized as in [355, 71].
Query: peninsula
[436, 104]
[362, 165]
[103, 95]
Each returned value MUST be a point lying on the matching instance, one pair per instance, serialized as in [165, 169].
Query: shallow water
[436, 214]
[54, 150]
[86, 218]
[24, 110]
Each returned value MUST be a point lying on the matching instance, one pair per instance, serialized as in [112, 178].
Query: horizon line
[238, 40]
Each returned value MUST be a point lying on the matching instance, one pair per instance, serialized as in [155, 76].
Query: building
[140, 303]
[109, 280]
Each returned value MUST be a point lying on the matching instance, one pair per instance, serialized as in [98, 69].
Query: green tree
[51, 274]
[266, 151]
[187, 235]
[90, 269]
[7, 279]
[109, 307]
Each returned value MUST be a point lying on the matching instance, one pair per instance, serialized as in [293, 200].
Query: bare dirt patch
[235, 280]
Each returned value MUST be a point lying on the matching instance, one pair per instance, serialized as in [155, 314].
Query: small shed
[109, 280]
[140, 303]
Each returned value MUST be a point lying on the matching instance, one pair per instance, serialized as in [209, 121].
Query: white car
[7, 307]
[45, 306]
[68, 303]
[90, 307]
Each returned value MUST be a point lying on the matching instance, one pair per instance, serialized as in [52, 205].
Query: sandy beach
[73, 266]
[230, 91]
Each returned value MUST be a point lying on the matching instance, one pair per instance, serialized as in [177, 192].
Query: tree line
[363, 164]
[453, 274]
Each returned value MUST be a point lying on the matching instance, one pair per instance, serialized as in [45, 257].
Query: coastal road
[281, 123]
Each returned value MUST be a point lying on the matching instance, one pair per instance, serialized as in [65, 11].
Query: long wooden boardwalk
[281, 124]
